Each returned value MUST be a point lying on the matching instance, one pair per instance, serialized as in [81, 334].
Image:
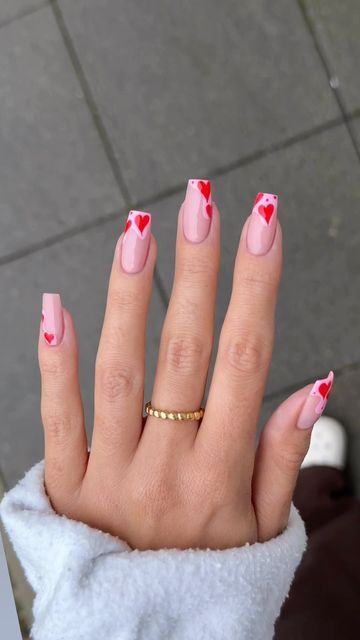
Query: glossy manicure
[197, 210]
[136, 241]
[52, 319]
[316, 402]
[262, 225]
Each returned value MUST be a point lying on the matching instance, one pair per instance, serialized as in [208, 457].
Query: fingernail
[136, 241]
[197, 210]
[262, 225]
[315, 402]
[52, 319]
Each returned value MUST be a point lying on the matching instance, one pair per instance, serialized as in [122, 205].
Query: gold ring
[174, 415]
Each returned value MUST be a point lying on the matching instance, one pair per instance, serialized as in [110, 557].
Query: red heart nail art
[49, 337]
[127, 226]
[258, 198]
[209, 210]
[142, 221]
[205, 188]
[324, 389]
[266, 212]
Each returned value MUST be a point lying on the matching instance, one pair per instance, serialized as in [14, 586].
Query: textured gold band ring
[174, 415]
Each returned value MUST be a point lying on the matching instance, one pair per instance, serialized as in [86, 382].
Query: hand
[158, 483]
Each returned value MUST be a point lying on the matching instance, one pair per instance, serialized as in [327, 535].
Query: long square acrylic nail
[136, 241]
[316, 402]
[197, 210]
[52, 319]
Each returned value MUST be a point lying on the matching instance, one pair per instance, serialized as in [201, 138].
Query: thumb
[283, 445]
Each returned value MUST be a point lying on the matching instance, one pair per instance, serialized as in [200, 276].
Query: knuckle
[247, 354]
[116, 382]
[185, 353]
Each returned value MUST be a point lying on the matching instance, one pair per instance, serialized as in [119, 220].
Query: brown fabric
[324, 600]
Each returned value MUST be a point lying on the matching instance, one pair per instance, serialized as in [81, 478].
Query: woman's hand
[160, 483]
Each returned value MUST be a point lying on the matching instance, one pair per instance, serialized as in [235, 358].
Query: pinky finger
[283, 445]
[62, 411]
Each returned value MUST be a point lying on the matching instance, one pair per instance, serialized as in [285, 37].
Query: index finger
[246, 341]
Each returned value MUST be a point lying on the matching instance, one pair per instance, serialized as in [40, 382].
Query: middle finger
[187, 335]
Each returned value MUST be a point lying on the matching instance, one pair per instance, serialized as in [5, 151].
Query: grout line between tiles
[90, 100]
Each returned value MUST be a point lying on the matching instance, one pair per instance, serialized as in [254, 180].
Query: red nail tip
[205, 188]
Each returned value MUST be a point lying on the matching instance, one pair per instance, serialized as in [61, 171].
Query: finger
[62, 412]
[283, 445]
[187, 334]
[245, 345]
[120, 361]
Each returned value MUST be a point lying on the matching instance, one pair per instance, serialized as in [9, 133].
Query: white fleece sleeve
[90, 585]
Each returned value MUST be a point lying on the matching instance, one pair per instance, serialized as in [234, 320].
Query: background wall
[112, 105]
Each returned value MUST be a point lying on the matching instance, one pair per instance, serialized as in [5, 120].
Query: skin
[157, 483]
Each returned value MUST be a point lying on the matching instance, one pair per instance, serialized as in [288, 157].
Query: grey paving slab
[185, 87]
[337, 25]
[78, 268]
[319, 308]
[53, 170]
[10, 9]
[344, 405]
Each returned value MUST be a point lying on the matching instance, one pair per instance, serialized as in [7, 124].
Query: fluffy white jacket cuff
[92, 585]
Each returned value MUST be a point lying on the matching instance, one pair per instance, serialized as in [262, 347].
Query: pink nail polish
[136, 241]
[262, 225]
[316, 402]
[52, 319]
[197, 210]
